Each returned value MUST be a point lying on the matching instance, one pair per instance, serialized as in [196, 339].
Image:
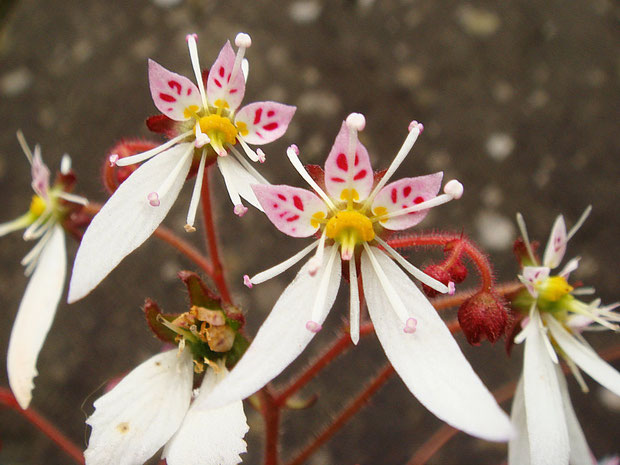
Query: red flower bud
[483, 315]
[440, 274]
[114, 175]
[458, 272]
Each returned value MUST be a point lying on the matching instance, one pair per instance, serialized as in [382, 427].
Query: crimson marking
[298, 203]
[222, 71]
[394, 195]
[337, 179]
[341, 162]
[257, 115]
[217, 83]
[270, 126]
[290, 219]
[418, 199]
[281, 197]
[174, 85]
[270, 113]
[166, 97]
[406, 191]
[360, 175]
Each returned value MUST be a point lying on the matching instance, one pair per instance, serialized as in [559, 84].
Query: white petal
[579, 451]
[556, 246]
[429, 361]
[238, 179]
[35, 315]
[543, 403]
[126, 221]
[282, 337]
[143, 411]
[519, 447]
[209, 436]
[585, 357]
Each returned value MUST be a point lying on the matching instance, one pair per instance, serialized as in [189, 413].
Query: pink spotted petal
[556, 247]
[533, 276]
[340, 174]
[291, 209]
[222, 89]
[40, 174]
[172, 93]
[263, 122]
[406, 193]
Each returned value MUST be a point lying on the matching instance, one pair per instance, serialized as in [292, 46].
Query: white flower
[548, 432]
[153, 407]
[206, 124]
[352, 215]
[46, 265]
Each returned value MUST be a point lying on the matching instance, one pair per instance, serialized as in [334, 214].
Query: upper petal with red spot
[341, 174]
[556, 247]
[174, 95]
[292, 210]
[405, 193]
[224, 89]
[263, 122]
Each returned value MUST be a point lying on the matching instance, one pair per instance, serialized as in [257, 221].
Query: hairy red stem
[271, 415]
[43, 425]
[207, 210]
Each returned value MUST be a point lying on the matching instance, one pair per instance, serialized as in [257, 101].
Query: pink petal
[222, 91]
[172, 93]
[263, 122]
[533, 276]
[405, 193]
[291, 209]
[339, 175]
[40, 175]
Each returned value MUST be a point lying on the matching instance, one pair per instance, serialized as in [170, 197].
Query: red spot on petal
[418, 199]
[232, 91]
[166, 97]
[174, 85]
[290, 219]
[341, 162]
[394, 195]
[270, 126]
[357, 159]
[406, 191]
[360, 175]
[221, 71]
[337, 179]
[257, 115]
[298, 203]
[281, 197]
[217, 83]
[275, 205]
[270, 113]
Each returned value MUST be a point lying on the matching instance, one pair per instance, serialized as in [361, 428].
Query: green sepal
[199, 294]
[152, 313]
[240, 345]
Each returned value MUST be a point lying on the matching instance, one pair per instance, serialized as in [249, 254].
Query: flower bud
[483, 315]
[113, 176]
[440, 274]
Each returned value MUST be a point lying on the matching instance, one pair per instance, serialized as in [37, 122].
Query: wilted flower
[548, 431]
[46, 263]
[351, 215]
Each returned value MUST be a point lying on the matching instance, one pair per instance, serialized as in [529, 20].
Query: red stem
[207, 210]
[43, 425]
[185, 248]
[271, 415]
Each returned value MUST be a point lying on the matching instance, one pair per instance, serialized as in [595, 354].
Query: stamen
[451, 288]
[577, 374]
[201, 138]
[193, 55]
[193, 204]
[24, 145]
[229, 182]
[392, 295]
[151, 153]
[313, 326]
[247, 281]
[415, 272]
[354, 305]
[355, 122]
[38, 227]
[318, 309]
[154, 197]
[526, 239]
[281, 267]
[246, 164]
[246, 148]
[415, 129]
[316, 261]
[33, 255]
[434, 202]
[243, 41]
[240, 210]
[65, 164]
[454, 189]
[292, 152]
[583, 291]
[261, 155]
[411, 325]
[72, 198]
[112, 159]
[15, 225]
[579, 223]
[546, 341]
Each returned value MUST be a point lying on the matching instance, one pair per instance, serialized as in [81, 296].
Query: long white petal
[585, 357]
[238, 179]
[579, 450]
[429, 361]
[282, 337]
[519, 446]
[143, 411]
[546, 424]
[209, 436]
[126, 221]
[35, 315]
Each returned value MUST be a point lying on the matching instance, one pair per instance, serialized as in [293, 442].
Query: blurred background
[520, 103]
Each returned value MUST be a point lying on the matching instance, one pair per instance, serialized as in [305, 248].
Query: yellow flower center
[218, 128]
[350, 224]
[37, 206]
[553, 289]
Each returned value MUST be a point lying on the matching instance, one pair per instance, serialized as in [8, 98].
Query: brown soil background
[538, 80]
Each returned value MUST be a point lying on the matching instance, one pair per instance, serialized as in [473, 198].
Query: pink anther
[313, 326]
[410, 325]
[153, 199]
[247, 281]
